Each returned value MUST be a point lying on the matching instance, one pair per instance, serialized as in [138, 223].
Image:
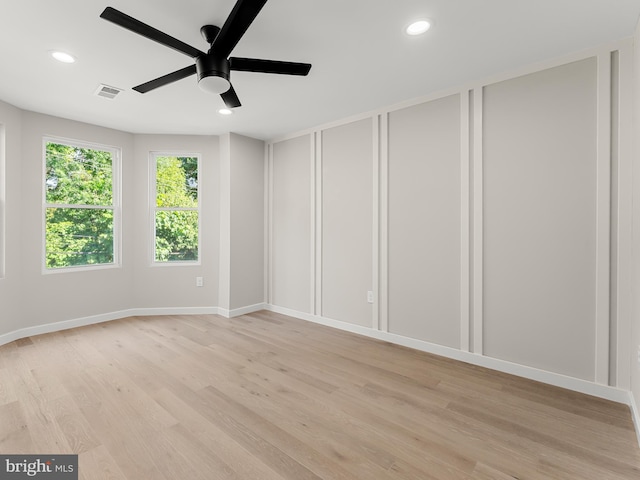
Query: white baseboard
[242, 311]
[142, 312]
[64, 325]
[556, 379]
[107, 317]
[635, 414]
[132, 312]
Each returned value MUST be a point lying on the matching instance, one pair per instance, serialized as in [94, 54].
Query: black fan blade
[268, 66]
[136, 26]
[230, 98]
[166, 79]
[243, 14]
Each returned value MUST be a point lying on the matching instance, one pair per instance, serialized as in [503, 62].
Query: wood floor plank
[298, 399]
[265, 396]
[130, 444]
[47, 378]
[15, 436]
[562, 426]
[98, 464]
[276, 447]
[38, 415]
[212, 440]
[561, 399]
[329, 420]
[73, 424]
[584, 453]
[7, 393]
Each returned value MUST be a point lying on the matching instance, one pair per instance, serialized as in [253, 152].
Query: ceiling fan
[213, 67]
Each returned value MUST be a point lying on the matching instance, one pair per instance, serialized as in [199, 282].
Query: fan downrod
[209, 33]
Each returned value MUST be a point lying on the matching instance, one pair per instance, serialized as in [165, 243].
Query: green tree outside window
[176, 209]
[79, 213]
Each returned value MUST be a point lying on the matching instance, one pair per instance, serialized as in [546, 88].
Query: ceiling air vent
[108, 92]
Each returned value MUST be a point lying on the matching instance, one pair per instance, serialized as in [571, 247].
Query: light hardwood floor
[268, 397]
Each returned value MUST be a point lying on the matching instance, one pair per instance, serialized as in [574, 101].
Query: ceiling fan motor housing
[213, 73]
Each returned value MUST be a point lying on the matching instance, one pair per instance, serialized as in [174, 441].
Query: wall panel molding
[603, 219]
[269, 225]
[383, 297]
[624, 214]
[315, 157]
[268, 149]
[376, 208]
[465, 234]
[477, 301]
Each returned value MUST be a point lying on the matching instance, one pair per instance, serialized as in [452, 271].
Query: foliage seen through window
[79, 214]
[176, 212]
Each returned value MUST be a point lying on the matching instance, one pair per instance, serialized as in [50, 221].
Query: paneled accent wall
[424, 221]
[488, 220]
[540, 219]
[346, 222]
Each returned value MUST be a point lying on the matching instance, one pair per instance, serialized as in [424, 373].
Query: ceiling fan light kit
[213, 68]
[213, 74]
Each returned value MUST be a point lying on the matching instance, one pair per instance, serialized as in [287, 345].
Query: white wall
[424, 221]
[174, 286]
[242, 227]
[10, 218]
[32, 302]
[499, 226]
[247, 222]
[346, 222]
[291, 229]
[540, 219]
[67, 295]
[635, 337]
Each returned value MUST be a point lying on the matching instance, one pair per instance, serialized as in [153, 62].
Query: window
[81, 211]
[176, 214]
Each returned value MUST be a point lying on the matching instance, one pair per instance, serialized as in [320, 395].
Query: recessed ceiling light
[418, 27]
[225, 111]
[62, 56]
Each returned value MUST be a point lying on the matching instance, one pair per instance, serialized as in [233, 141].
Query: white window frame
[116, 161]
[153, 208]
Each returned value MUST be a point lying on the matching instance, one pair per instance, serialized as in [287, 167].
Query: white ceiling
[362, 60]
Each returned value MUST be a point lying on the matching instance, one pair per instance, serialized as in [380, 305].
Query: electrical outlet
[199, 282]
[370, 296]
